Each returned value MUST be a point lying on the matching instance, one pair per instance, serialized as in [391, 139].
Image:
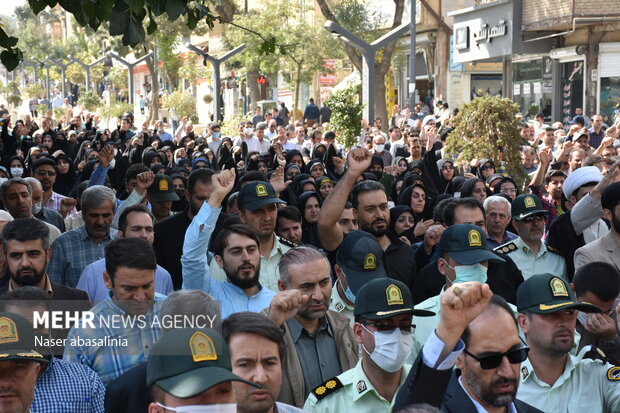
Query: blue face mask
[216, 134]
[349, 294]
[476, 272]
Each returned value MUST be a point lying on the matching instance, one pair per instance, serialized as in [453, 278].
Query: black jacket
[440, 388]
[168, 245]
[128, 392]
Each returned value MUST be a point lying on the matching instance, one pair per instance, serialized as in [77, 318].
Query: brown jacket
[292, 388]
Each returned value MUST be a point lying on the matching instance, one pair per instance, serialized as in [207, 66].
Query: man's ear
[108, 280]
[607, 214]
[48, 255]
[460, 361]
[282, 285]
[524, 323]
[219, 261]
[358, 330]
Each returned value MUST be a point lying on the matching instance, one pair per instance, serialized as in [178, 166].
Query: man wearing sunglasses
[529, 252]
[551, 379]
[383, 327]
[478, 333]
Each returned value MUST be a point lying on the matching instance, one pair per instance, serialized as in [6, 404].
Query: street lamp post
[412, 47]
[369, 51]
[216, 62]
[130, 67]
[86, 67]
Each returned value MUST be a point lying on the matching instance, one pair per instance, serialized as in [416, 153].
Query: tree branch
[263, 38]
[355, 58]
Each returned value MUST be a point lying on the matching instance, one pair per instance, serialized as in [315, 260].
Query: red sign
[261, 80]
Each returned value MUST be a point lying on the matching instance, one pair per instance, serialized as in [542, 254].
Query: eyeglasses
[508, 191]
[447, 167]
[42, 172]
[493, 360]
[388, 327]
[532, 218]
[485, 167]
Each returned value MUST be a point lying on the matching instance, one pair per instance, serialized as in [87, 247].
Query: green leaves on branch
[487, 128]
[346, 117]
[127, 18]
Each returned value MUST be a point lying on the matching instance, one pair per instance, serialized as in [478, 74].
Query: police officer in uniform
[383, 327]
[188, 368]
[359, 260]
[528, 251]
[552, 380]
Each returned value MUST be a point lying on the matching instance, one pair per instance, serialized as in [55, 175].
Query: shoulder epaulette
[555, 250]
[287, 242]
[613, 374]
[506, 248]
[327, 388]
[595, 353]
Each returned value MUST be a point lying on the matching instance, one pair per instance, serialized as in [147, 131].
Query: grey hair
[496, 199]
[298, 256]
[34, 181]
[192, 303]
[5, 185]
[95, 196]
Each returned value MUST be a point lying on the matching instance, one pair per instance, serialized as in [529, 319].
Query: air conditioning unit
[565, 52]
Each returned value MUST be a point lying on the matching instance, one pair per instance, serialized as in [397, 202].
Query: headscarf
[310, 232]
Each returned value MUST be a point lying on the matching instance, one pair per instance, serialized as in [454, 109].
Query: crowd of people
[382, 277]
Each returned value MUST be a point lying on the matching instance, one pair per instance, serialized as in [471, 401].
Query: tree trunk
[154, 104]
[381, 68]
[298, 82]
[254, 89]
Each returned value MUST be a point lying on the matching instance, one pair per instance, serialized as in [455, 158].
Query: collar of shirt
[337, 300]
[297, 329]
[527, 250]
[528, 373]
[360, 375]
[277, 247]
[84, 234]
[48, 285]
[479, 407]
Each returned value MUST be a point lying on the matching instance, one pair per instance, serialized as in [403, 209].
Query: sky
[9, 5]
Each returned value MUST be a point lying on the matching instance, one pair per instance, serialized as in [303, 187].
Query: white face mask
[248, 131]
[391, 349]
[3, 180]
[379, 148]
[17, 172]
[37, 207]
[112, 164]
[211, 408]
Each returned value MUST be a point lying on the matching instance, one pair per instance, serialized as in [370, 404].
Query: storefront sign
[516, 89]
[526, 89]
[487, 33]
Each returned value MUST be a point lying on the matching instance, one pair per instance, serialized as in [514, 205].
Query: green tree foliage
[90, 100]
[487, 128]
[183, 104]
[346, 116]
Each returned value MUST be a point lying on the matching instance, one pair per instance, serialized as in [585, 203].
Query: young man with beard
[256, 354]
[258, 209]
[44, 170]
[237, 253]
[319, 343]
[478, 333]
[371, 209]
[551, 378]
[26, 245]
[170, 233]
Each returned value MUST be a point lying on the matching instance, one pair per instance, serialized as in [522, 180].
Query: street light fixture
[369, 51]
[216, 62]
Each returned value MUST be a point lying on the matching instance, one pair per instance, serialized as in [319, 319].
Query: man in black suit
[170, 233]
[478, 333]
